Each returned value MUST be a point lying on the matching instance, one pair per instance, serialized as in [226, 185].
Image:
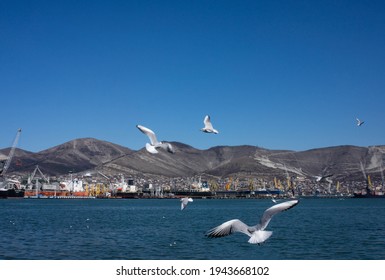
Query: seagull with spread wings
[359, 122]
[208, 126]
[257, 233]
[184, 202]
[154, 143]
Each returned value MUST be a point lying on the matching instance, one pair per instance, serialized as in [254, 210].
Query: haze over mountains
[92, 155]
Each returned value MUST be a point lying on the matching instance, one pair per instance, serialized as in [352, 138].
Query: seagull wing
[149, 133]
[359, 122]
[207, 122]
[184, 203]
[270, 212]
[228, 228]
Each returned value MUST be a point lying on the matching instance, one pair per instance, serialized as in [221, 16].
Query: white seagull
[359, 122]
[257, 233]
[154, 143]
[323, 178]
[208, 126]
[184, 202]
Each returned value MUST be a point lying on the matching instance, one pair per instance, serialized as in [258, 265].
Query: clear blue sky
[275, 74]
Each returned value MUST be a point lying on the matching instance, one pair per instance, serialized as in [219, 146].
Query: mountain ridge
[90, 154]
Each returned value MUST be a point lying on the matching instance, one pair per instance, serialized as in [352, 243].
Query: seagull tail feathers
[260, 236]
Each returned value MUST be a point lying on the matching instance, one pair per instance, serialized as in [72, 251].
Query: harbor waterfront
[118, 186]
[145, 229]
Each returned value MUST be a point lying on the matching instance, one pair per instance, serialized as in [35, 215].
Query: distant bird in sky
[257, 233]
[359, 122]
[208, 126]
[154, 143]
[184, 202]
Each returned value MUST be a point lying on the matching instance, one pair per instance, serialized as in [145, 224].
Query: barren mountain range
[92, 155]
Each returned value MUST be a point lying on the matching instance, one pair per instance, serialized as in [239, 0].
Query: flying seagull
[154, 143]
[257, 233]
[323, 178]
[359, 122]
[208, 126]
[184, 202]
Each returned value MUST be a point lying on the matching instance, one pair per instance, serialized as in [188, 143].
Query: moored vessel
[368, 193]
[10, 188]
[371, 191]
[72, 188]
[125, 189]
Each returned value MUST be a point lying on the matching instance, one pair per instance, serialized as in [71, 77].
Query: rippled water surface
[321, 229]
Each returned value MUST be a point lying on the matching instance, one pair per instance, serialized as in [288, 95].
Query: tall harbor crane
[37, 169]
[11, 153]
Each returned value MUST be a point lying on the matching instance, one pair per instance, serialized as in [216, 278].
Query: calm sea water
[316, 229]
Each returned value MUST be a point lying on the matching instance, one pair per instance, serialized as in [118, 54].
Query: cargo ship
[368, 193]
[126, 190]
[197, 189]
[72, 188]
[11, 193]
[11, 189]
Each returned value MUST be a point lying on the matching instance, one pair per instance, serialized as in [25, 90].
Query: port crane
[37, 169]
[11, 153]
